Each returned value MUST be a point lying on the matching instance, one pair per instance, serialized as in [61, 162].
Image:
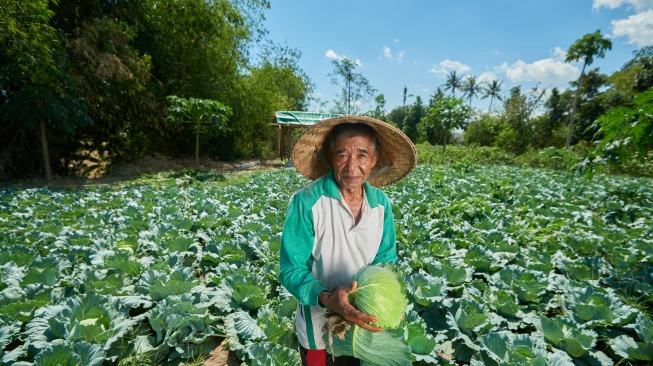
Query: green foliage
[519, 107]
[484, 131]
[473, 154]
[443, 115]
[396, 117]
[96, 75]
[414, 114]
[492, 90]
[276, 83]
[551, 158]
[501, 264]
[624, 140]
[207, 117]
[28, 41]
[588, 47]
[627, 133]
[379, 110]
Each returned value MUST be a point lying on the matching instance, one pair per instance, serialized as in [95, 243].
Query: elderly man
[339, 223]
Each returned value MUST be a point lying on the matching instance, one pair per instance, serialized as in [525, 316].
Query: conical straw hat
[397, 155]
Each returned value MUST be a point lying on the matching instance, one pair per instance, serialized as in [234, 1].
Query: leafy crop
[503, 266]
[382, 293]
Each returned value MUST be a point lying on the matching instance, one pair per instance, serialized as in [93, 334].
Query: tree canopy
[100, 73]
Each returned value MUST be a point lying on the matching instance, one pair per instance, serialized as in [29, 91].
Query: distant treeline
[613, 118]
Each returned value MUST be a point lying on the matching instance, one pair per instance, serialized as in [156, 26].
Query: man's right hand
[338, 302]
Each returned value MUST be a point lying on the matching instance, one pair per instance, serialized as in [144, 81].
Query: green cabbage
[381, 293]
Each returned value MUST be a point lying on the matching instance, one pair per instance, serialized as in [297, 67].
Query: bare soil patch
[153, 165]
[221, 356]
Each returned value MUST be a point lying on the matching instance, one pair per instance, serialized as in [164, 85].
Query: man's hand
[338, 302]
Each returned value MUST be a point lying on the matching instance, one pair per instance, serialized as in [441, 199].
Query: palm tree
[409, 95]
[453, 82]
[492, 90]
[471, 88]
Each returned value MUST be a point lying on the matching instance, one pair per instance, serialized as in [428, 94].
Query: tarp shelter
[286, 121]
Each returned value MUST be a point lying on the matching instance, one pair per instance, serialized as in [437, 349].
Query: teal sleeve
[388, 248]
[295, 259]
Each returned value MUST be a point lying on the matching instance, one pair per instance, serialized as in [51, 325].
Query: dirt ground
[221, 357]
[152, 165]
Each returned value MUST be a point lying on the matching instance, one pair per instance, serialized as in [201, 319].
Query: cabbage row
[503, 266]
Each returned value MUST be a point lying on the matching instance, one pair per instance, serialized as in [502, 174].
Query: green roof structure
[303, 119]
[286, 121]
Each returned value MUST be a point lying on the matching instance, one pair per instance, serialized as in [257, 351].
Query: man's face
[353, 160]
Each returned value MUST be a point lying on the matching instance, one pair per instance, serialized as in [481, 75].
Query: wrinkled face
[353, 160]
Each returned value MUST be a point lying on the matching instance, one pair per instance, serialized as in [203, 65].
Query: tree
[200, 113]
[591, 100]
[586, 48]
[627, 132]
[356, 89]
[414, 114]
[484, 131]
[36, 91]
[635, 76]
[379, 110]
[492, 90]
[471, 88]
[445, 114]
[115, 80]
[518, 109]
[276, 83]
[405, 95]
[556, 107]
[453, 83]
[397, 116]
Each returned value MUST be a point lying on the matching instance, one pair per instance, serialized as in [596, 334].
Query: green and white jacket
[322, 248]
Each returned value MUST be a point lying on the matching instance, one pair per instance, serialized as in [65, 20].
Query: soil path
[151, 165]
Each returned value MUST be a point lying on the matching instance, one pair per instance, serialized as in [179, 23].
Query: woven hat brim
[395, 149]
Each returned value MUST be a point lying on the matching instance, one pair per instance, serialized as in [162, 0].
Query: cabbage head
[381, 292]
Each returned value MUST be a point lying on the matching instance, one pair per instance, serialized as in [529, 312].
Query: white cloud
[559, 54]
[638, 28]
[487, 77]
[548, 72]
[613, 4]
[400, 56]
[446, 66]
[332, 55]
[386, 52]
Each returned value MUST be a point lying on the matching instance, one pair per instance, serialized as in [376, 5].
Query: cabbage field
[503, 266]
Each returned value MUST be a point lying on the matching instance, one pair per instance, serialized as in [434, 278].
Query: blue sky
[417, 43]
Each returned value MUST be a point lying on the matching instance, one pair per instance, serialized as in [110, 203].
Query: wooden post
[46, 154]
[289, 145]
[279, 142]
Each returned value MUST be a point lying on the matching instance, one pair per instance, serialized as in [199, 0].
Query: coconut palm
[492, 90]
[453, 82]
[471, 88]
